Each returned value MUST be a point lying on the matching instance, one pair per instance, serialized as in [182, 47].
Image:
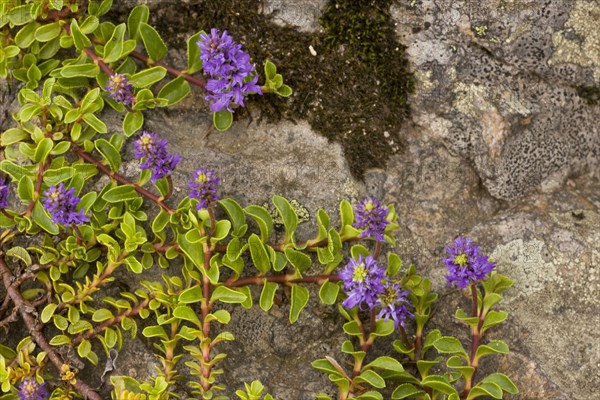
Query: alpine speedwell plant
[66, 232]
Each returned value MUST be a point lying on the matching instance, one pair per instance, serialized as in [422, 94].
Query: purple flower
[31, 390]
[4, 189]
[370, 216]
[393, 302]
[154, 151]
[232, 74]
[204, 187]
[466, 263]
[120, 89]
[62, 205]
[363, 282]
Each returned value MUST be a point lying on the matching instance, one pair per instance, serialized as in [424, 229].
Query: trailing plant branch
[287, 279]
[32, 326]
[122, 180]
[170, 70]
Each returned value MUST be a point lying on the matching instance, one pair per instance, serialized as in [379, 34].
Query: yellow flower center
[55, 195]
[369, 205]
[360, 273]
[30, 388]
[461, 259]
[202, 178]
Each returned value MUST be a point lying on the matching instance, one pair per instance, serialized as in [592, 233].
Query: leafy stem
[32, 326]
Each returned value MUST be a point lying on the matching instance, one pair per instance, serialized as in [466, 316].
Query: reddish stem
[282, 279]
[172, 71]
[112, 322]
[124, 181]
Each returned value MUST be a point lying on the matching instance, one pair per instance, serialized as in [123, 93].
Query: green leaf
[406, 390]
[160, 222]
[383, 328]
[425, 365]
[105, 7]
[299, 300]
[222, 229]
[43, 149]
[193, 53]
[461, 315]
[13, 135]
[191, 295]
[263, 219]
[109, 152]
[394, 264]
[120, 193]
[222, 316]
[439, 383]
[60, 340]
[186, 313]
[502, 381]
[155, 331]
[95, 123]
[113, 48]
[193, 251]
[493, 318]
[47, 32]
[372, 378]
[236, 215]
[328, 292]
[84, 348]
[357, 250]
[493, 347]
[139, 15]
[270, 70]
[101, 315]
[284, 91]
[386, 363]
[299, 260]
[457, 363]
[346, 213]
[147, 77]
[134, 265]
[132, 122]
[370, 395]
[288, 215]
[485, 389]
[80, 40]
[227, 295]
[48, 312]
[42, 219]
[25, 189]
[20, 15]
[26, 35]
[154, 44]
[267, 295]
[175, 91]
[88, 70]
[490, 300]
[222, 120]
[259, 254]
[450, 345]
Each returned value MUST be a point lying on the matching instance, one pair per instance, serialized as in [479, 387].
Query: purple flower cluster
[204, 187]
[232, 75]
[394, 304]
[31, 390]
[466, 263]
[120, 89]
[154, 151]
[4, 189]
[62, 204]
[370, 216]
[365, 282]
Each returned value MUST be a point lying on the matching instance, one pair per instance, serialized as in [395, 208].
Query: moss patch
[353, 91]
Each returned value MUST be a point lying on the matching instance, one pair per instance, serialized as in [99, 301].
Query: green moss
[590, 93]
[353, 92]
